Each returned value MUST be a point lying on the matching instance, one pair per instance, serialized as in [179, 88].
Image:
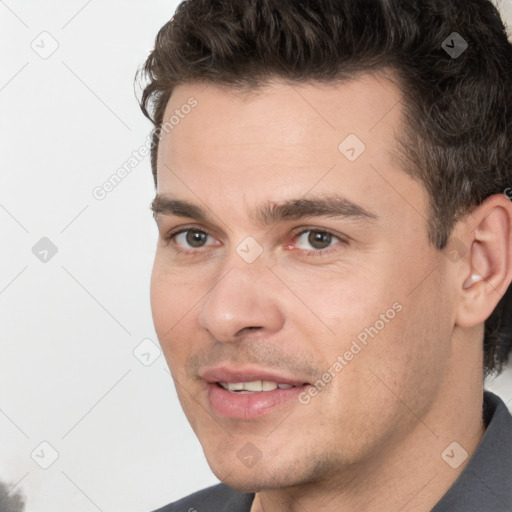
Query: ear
[487, 268]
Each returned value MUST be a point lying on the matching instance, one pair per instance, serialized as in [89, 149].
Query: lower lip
[249, 405]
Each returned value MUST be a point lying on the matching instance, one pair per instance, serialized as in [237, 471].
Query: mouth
[249, 394]
[255, 386]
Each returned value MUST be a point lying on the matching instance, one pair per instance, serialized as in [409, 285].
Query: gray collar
[485, 484]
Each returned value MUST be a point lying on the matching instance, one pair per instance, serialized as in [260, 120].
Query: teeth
[269, 386]
[254, 386]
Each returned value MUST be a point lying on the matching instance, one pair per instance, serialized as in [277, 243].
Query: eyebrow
[331, 206]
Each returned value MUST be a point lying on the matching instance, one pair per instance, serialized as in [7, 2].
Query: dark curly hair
[457, 132]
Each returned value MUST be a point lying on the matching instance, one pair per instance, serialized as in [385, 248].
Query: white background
[69, 326]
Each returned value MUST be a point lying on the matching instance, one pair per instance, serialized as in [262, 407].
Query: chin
[255, 482]
[248, 486]
[242, 479]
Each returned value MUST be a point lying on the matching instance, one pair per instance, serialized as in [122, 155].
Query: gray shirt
[485, 484]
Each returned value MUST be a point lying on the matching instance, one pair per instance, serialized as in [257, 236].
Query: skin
[373, 438]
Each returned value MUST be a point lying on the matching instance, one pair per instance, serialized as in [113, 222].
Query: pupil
[196, 238]
[319, 240]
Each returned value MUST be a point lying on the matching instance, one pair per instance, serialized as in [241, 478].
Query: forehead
[286, 112]
[284, 139]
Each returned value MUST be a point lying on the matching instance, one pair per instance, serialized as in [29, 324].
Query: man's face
[341, 288]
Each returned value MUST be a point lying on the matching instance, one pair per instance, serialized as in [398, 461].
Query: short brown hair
[456, 137]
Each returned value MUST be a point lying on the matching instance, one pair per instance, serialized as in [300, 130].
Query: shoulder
[217, 498]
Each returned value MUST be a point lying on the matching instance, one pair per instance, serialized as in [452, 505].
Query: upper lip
[232, 374]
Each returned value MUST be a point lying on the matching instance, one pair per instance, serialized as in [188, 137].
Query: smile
[255, 386]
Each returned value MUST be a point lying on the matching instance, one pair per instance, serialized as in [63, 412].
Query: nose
[243, 300]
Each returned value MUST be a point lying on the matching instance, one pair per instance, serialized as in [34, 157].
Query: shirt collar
[486, 481]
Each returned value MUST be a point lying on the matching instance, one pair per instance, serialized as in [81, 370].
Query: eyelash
[170, 238]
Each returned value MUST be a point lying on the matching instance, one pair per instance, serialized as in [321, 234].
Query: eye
[317, 239]
[190, 239]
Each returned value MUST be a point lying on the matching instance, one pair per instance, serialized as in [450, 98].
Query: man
[332, 278]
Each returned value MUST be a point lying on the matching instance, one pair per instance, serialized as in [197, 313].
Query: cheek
[341, 303]
[386, 331]
[408, 358]
[162, 306]
[172, 296]
[169, 306]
